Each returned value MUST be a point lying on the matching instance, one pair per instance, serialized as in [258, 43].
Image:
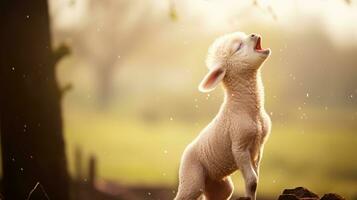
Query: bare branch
[60, 52]
[38, 184]
[349, 2]
[269, 8]
[66, 89]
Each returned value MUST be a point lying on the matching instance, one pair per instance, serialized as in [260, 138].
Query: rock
[288, 197]
[309, 198]
[301, 193]
[332, 196]
[243, 198]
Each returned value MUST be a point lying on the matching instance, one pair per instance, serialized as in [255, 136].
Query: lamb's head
[231, 55]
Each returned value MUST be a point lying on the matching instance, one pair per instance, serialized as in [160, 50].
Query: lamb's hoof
[332, 196]
[243, 198]
[300, 193]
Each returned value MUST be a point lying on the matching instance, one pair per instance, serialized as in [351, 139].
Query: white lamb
[236, 136]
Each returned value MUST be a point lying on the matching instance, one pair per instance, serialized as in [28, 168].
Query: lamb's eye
[239, 47]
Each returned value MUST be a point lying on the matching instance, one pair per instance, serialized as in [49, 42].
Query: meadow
[134, 152]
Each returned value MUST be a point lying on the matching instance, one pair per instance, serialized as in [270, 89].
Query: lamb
[235, 138]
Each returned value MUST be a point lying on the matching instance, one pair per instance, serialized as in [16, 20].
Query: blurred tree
[108, 34]
[32, 143]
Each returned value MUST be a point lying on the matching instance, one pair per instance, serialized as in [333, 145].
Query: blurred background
[134, 105]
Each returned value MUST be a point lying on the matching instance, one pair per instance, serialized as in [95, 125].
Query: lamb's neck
[244, 93]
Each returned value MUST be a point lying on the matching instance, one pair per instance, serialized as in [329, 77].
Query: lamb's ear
[211, 80]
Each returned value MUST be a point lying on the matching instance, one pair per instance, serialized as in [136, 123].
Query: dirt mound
[297, 194]
[301, 193]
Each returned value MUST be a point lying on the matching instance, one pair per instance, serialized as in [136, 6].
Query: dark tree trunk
[31, 123]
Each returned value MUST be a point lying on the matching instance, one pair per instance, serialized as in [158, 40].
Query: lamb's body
[241, 123]
[233, 140]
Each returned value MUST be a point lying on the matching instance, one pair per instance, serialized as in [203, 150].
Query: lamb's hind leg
[192, 180]
[219, 189]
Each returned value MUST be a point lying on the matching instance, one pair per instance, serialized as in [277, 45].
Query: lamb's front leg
[257, 162]
[244, 163]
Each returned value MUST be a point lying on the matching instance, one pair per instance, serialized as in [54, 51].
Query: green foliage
[173, 14]
[173, 11]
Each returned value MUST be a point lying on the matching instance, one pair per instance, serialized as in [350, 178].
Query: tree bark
[32, 143]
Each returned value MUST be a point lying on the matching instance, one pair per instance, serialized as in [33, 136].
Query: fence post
[92, 171]
[78, 164]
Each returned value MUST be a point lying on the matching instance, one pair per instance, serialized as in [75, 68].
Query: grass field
[134, 152]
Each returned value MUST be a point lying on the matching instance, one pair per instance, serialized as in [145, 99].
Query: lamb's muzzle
[258, 46]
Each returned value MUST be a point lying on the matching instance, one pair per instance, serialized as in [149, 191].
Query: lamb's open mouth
[258, 47]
